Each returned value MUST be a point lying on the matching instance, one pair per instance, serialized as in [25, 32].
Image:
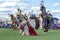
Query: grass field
[10, 34]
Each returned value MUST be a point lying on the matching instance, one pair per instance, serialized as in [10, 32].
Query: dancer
[26, 27]
[44, 16]
[13, 19]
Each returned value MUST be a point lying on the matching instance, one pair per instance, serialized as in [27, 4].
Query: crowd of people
[22, 23]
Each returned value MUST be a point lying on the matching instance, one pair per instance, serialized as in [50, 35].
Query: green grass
[10, 34]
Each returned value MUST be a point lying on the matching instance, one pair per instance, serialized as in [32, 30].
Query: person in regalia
[13, 19]
[26, 27]
[44, 16]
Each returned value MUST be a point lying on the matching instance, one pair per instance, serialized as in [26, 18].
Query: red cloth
[19, 23]
[31, 30]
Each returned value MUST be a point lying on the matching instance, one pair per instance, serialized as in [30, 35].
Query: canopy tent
[55, 19]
